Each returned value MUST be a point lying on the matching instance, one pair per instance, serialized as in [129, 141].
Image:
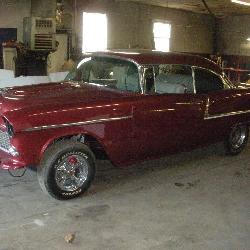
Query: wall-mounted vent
[44, 23]
[39, 33]
[43, 41]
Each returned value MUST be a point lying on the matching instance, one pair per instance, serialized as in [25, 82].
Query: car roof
[146, 57]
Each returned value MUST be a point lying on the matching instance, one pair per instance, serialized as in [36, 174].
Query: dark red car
[127, 106]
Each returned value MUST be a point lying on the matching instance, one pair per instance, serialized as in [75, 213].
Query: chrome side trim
[210, 117]
[207, 108]
[77, 123]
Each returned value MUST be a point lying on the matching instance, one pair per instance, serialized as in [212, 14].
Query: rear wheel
[237, 139]
[66, 170]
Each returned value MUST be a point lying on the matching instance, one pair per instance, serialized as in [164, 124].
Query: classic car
[126, 106]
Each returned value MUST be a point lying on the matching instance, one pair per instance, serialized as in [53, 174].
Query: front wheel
[66, 170]
[237, 139]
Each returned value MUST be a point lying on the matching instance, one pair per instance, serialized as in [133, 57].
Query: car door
[169, 117]
[221, 100]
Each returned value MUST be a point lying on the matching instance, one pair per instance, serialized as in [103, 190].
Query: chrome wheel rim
[238, 136]
[71, 173]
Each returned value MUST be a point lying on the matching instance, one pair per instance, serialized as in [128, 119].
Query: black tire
[237, 139]
[55, 158]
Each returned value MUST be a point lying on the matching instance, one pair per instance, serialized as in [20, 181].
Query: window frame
[147, 66]
[83, 27]
[163, 22]
[138, 66]
[225, 83]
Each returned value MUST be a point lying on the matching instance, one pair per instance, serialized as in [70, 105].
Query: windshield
[109, 72]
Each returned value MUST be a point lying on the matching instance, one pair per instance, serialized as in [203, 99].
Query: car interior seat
[173, 83]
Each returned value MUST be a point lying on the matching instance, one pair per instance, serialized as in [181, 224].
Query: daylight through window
[162, 34]
[94, 35]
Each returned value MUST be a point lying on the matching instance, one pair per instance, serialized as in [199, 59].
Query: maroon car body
[129, 126]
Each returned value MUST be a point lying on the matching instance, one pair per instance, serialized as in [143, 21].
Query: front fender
[32, 144]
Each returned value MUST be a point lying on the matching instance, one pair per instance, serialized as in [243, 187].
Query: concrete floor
[196, 200]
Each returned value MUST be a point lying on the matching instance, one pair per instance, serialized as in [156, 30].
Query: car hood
[57, 103]
[55, 94]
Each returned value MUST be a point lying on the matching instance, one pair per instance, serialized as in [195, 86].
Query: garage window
[94, 35]
[162, 34]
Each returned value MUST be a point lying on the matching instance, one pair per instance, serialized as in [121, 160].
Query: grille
[44, 23]
[4, 141]
[43, 41]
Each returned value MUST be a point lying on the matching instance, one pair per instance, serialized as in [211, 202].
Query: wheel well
[94, 145]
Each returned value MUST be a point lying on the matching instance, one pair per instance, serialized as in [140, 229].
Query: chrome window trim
[207, 108]
[154, 77]
[77, 123]
[210, 70]
[144, 68]
[141, 78]
[193, 76]
[227, 81]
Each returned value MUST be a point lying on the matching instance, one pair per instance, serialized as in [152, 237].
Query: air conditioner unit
[39, 33]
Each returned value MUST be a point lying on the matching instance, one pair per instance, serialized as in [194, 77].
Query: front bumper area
[7, 161]
[9, 156]
[5, 144]
[10, 150]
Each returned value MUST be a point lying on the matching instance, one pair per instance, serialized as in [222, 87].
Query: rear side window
[207, 81]
[170, 79]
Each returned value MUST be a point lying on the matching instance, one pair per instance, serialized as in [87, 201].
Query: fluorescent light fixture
[243, 2]
[129, 52]
[248, 39]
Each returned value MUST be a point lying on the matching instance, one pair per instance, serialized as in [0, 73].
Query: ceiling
[219, 8]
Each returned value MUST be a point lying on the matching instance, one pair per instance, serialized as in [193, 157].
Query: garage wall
[130, 26]
[12, 13]
[43, 8]
[233, 32]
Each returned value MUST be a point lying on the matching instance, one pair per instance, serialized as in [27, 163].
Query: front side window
[108, 72]
[207, 81]
[170, 79]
